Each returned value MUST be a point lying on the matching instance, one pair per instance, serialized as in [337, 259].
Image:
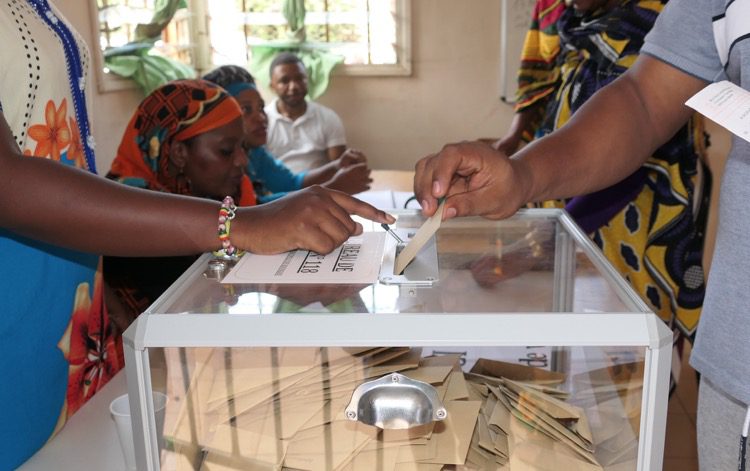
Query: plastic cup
[120, 410]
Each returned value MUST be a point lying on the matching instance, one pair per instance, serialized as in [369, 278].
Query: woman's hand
[351, 179]
[314, 219]
[349, 173]
[350, 157]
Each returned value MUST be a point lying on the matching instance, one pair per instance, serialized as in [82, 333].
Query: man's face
[289, 81]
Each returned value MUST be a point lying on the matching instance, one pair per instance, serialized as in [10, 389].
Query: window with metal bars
[373, 36]
[118, 19]
[364, 32]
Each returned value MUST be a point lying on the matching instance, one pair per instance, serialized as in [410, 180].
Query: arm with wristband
[101, 216]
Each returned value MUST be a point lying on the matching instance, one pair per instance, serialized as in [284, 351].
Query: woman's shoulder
[261, 154]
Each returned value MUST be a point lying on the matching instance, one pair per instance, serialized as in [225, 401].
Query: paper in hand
[429, 227]
[725, 104]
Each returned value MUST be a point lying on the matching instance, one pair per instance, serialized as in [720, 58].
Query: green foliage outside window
[333, 5]
[259, 5]
[136, 60]
[337, 25]
[334, 33]
[318, 61]
[330, 32]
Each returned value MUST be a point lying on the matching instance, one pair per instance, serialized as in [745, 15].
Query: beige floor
[680, 448]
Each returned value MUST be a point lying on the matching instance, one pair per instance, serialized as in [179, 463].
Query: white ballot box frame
[636, 326]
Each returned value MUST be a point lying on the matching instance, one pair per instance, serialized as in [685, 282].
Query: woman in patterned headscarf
[185, 137]
[651, 224]
[168, 144]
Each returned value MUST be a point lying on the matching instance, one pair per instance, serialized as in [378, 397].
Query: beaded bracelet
[226, 214]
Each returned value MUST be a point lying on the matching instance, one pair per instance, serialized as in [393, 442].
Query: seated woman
[271, 178]
[186, 137]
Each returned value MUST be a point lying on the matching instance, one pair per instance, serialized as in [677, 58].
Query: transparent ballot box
[507, 344]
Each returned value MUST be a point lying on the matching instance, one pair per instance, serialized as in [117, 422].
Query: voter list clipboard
[356, 261]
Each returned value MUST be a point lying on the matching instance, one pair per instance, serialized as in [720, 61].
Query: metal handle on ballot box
[395, 402]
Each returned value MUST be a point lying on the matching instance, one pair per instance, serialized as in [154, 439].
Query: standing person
[57, 344]
[302, 134]
[272, 179]
[693, 43]
[650, 225]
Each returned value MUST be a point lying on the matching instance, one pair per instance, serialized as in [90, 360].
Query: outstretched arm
[48, 201]
[55, 203]
[605, 141]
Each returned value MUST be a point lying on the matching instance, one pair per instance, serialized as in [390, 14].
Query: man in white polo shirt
[301, 133]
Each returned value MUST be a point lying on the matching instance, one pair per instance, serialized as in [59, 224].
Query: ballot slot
[423, 270]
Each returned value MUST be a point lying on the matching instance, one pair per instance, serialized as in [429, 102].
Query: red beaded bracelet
[226, 214]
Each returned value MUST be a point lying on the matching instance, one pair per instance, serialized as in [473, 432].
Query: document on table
[356, 261]
[727, 105]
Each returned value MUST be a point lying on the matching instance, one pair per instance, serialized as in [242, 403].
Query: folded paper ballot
[235, 416]
[422, 236]
[726, 104]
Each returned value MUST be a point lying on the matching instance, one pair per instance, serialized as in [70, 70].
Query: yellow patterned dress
[651, 225]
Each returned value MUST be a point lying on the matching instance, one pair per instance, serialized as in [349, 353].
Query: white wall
[453, 93]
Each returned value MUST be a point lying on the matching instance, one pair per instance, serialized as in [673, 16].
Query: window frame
[105, 82]
[403, 46]
[201, 48]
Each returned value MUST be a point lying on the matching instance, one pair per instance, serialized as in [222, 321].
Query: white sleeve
[333, 128]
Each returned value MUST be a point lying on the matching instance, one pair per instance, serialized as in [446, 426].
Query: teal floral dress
[57, 345]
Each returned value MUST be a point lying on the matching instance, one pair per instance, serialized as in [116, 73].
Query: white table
[88, 440]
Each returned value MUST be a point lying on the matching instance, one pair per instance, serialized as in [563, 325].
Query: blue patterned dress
[57, 345]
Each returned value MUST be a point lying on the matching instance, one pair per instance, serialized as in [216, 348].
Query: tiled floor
[680, 449]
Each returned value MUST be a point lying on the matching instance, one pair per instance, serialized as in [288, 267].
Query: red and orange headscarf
[173, 112]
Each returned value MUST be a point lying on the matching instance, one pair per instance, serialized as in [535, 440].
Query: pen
[390, 231]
